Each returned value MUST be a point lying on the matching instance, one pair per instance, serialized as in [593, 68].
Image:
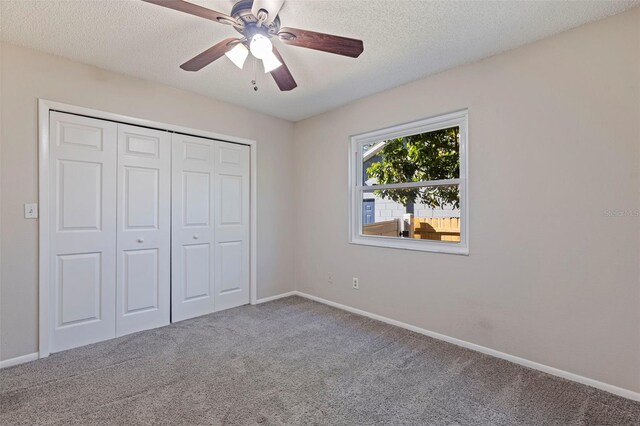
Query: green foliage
[427, 156]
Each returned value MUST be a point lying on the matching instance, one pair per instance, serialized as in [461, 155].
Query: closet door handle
[195, 237]
[141, 240]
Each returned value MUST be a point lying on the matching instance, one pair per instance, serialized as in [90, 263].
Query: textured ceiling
[404, 41]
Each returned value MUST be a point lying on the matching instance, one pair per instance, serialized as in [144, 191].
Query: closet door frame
[45, 107]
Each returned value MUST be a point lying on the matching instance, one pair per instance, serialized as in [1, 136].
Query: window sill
[415, 245]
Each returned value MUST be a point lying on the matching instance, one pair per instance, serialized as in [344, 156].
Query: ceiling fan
[257, 21]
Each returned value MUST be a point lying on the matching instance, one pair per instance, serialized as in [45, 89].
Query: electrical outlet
[356, 284]
[330, 278]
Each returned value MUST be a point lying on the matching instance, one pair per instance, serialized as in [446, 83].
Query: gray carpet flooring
[293, 362]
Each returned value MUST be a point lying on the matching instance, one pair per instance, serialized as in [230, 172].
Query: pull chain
[255, 75]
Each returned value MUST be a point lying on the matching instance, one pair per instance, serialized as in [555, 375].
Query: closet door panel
[79, 284]
[197, 271]
[83, 228]
[141, 198]
[144, 233]
[141, 281]
[80, 195]
[231, 225]
[192, 275]
[231, 267]
[196, 199]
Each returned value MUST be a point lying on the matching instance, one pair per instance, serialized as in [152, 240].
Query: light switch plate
[31, 211]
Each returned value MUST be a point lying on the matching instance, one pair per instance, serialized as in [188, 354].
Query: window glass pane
[421, 213]
[426, 156]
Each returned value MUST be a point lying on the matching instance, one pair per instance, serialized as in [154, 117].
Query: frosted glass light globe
[260, 46]
[238, 55]
[270, 62]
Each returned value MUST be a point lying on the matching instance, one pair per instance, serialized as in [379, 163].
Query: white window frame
[357, 188]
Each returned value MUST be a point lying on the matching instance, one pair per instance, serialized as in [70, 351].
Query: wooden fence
[388, 228]
[438, 229]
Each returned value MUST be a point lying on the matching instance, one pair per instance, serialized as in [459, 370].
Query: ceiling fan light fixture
[238, 55]
[270, 62]
[258, 21]
[260, 46]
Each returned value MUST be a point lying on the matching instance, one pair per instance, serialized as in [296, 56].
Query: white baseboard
[625, 393]
[18, 360]
[276, 297]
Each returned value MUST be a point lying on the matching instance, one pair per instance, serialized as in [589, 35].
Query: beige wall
[28, 75]
[554, 143]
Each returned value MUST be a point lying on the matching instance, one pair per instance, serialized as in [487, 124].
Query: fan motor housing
[242, 13]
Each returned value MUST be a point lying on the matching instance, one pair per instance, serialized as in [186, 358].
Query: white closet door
[231, 231]
[83, 230]
[192, 273]
[144, 233]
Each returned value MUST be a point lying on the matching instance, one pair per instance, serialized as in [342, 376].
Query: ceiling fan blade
[282, 75]
[194, 9]
[271, 6]
[320, 41]
[209, 55]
